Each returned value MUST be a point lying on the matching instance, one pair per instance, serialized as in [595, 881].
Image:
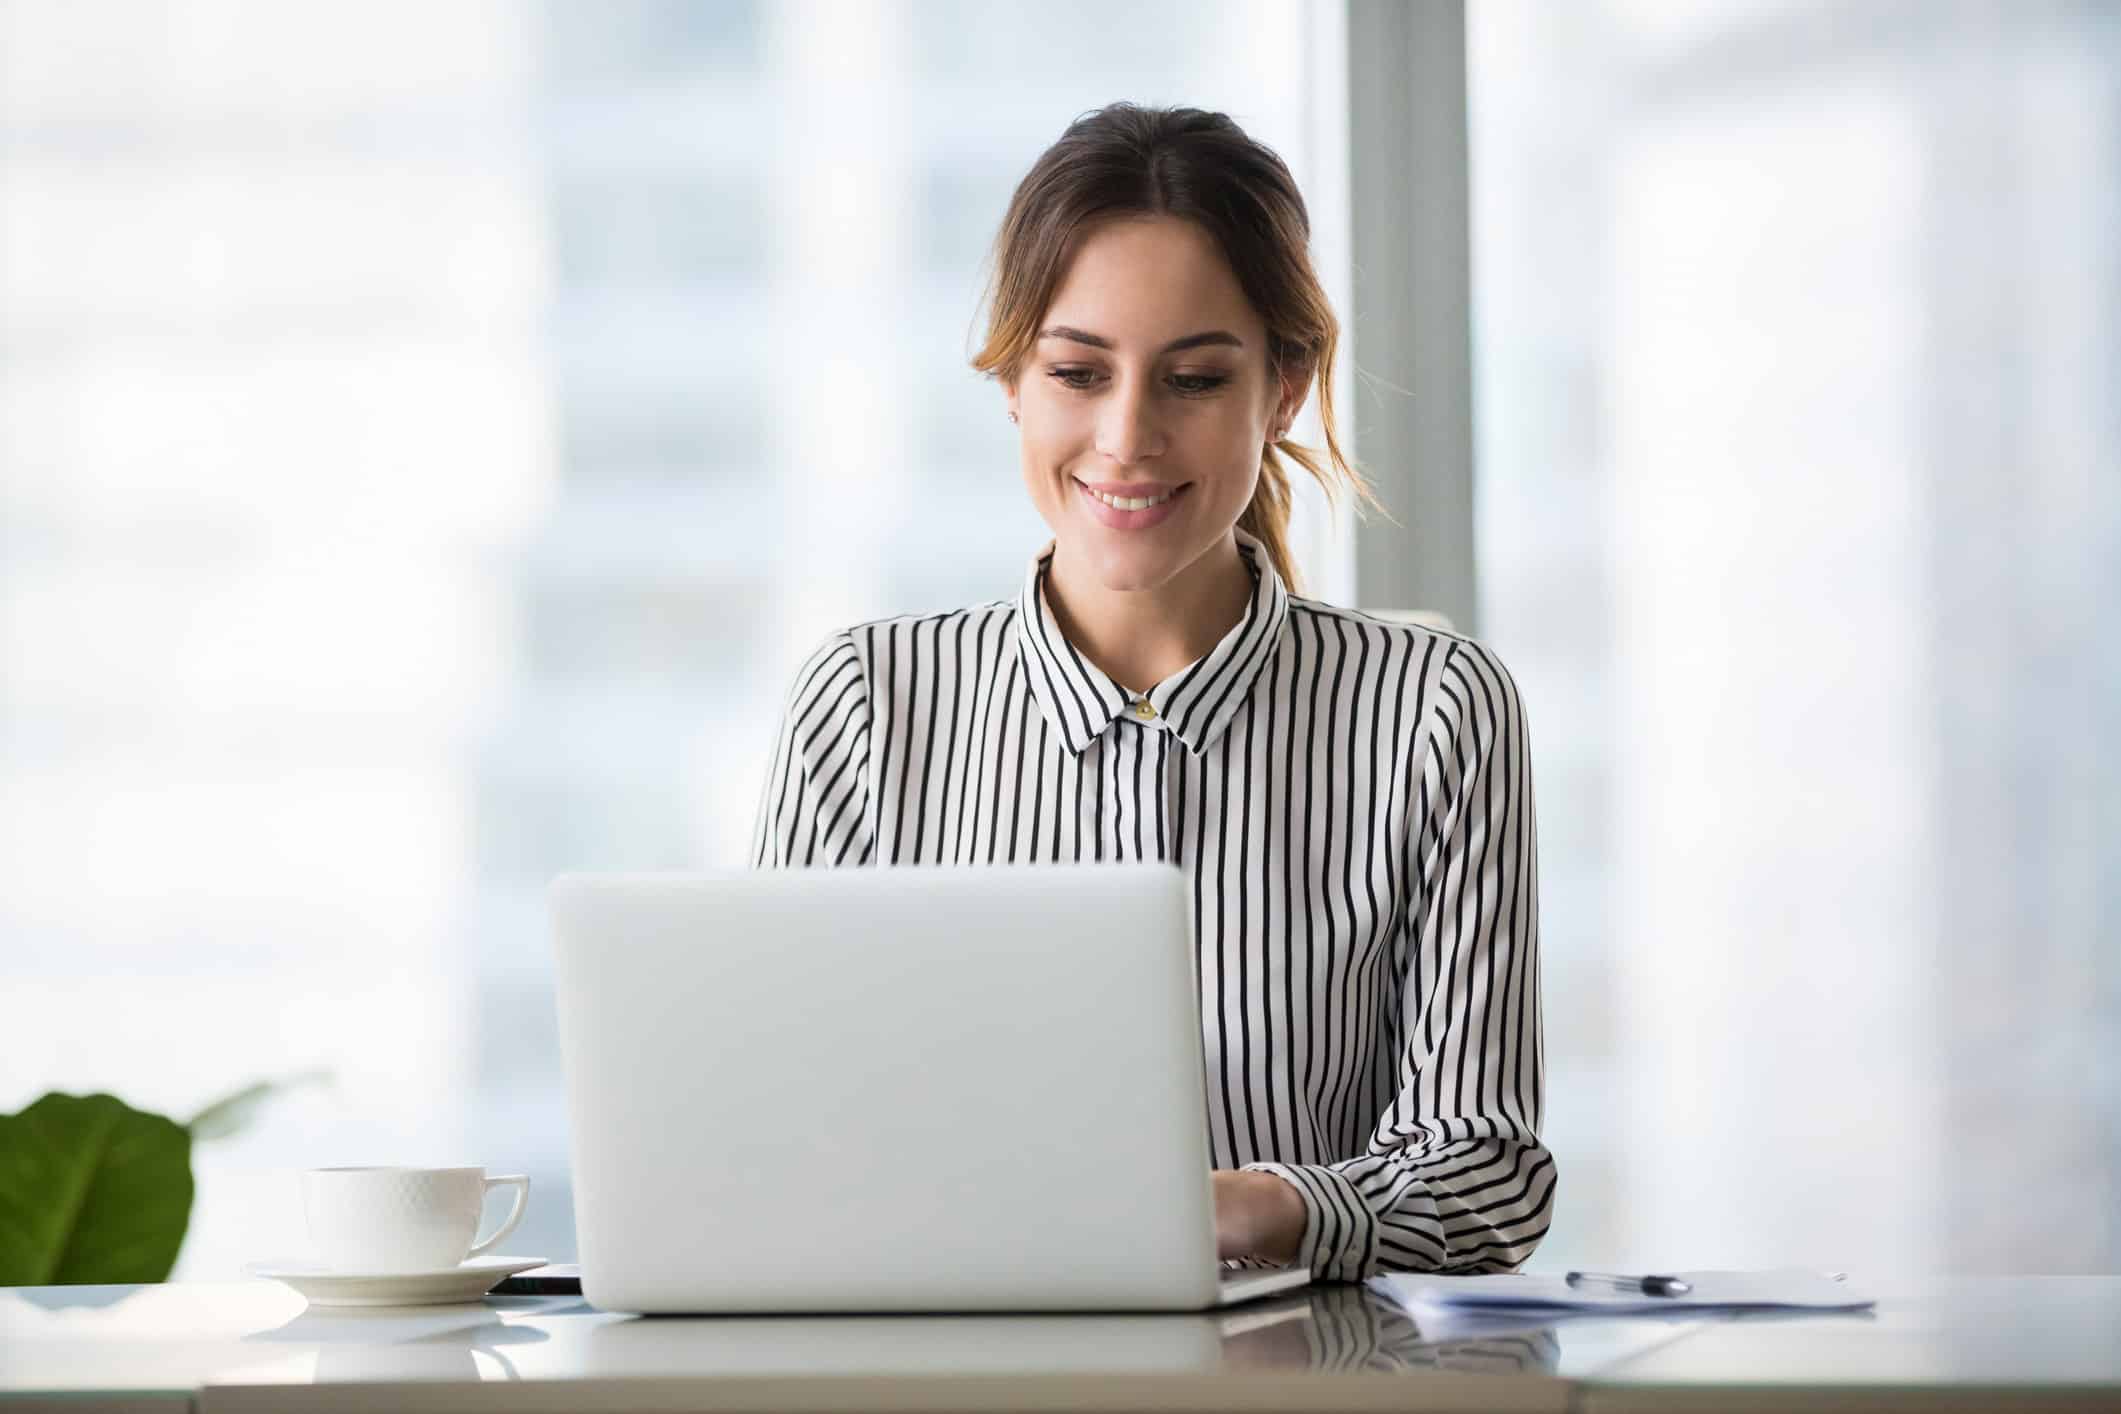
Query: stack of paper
[1790, 1289]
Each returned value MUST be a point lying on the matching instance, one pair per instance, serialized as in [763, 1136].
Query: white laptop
[898, 1089]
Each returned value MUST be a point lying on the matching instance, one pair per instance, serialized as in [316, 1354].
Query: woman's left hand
[1257, 1215]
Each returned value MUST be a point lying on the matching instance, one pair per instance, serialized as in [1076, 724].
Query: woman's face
[1148, 383]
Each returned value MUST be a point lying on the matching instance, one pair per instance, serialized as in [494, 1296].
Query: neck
[1139, 637]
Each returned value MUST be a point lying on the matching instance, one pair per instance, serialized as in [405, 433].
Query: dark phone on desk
[553, 1279]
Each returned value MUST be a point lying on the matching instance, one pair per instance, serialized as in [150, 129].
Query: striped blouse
[1351, 800]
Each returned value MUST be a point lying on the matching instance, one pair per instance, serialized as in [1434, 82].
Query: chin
[1128, 579]
[1127, 569]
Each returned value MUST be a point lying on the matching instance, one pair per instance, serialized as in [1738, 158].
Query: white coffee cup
[403, 1219]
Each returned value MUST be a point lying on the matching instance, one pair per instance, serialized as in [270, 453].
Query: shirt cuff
[1340, 1232]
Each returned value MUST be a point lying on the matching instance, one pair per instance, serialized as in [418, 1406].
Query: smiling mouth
[1134, 503]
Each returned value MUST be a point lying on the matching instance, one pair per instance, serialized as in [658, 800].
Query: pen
[1647, 1285]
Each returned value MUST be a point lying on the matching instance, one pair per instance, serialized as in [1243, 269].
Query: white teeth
[1130, 503]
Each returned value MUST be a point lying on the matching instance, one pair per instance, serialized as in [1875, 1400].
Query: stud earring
[1012, 414]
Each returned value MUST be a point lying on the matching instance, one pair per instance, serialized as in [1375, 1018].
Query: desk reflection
[1353, 1328]
[467, 1342]
[1325, 1329]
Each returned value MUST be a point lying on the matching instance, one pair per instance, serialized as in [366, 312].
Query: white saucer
[468, 1281]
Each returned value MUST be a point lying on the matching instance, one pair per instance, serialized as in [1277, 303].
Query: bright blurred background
[431, 433]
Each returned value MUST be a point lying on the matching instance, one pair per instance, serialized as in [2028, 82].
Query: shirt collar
[1195, 703]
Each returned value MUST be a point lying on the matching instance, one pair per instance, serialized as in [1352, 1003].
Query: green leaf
[91, 1190]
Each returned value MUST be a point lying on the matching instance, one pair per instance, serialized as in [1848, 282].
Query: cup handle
[521, 1184]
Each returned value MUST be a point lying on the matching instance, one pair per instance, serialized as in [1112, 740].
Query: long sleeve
[1455, 1178]
[814, 808]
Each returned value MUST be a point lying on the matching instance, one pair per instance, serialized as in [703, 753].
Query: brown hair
[1125, 160]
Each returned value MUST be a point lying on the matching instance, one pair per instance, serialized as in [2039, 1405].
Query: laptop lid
[917, 1088]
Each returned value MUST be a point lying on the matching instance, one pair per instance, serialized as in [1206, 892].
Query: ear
[1009, 400]
[1295, 388]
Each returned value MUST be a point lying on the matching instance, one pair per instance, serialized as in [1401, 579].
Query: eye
[1190, 385]
[1195, 384]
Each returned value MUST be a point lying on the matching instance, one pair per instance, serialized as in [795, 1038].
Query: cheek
[1060, 440]
[1237, 444]
[1047, 461]
[1065, 417]
[1229, 441]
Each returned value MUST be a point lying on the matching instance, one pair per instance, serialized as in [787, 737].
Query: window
[1798, 521]
[429, 440]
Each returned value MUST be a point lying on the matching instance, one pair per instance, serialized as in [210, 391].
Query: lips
[1134, 490]
[1112, 517]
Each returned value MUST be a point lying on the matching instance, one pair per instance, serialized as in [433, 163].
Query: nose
[1127, 428]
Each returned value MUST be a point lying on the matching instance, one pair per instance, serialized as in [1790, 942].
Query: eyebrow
[1191, 341]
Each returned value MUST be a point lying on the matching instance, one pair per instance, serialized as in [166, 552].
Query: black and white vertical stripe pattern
[1352, 802]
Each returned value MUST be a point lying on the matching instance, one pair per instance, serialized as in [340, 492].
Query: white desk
[2024, 1342]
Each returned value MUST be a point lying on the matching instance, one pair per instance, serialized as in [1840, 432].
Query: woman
[1350, 797]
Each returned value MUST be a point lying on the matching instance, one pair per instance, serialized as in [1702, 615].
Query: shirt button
[1143, 710]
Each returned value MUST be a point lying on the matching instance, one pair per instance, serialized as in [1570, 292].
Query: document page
[1785, 1289]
